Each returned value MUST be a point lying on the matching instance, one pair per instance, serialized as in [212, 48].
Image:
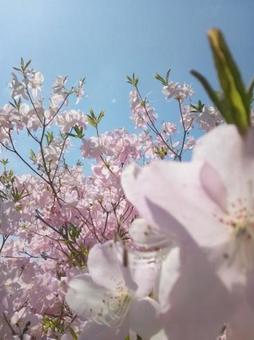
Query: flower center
[241, 220]
[116, 306]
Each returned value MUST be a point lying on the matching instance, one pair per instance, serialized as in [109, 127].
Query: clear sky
[105, 40]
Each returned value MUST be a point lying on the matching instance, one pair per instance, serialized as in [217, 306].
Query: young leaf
[100, 117]
[250, 91]
[230, 80]
[49, 137]
[164, 81]
[132, 80]
[235, 102]
[213, 96]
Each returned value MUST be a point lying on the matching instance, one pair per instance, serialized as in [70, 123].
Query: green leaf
[93, 120]
[32, 155]
[235, 101]
[198, 107]
[73, 231]
[22, 63]
[92, 114]
[161, 151]
[213, 95]
[235, 95]
[167, 75]
[49, 137]
[79, 131]
[4, 161]
[164, 81]
[27, 64]
[161, 79]
[17, 69]
[16, 104]
[132, 80]
[13, 105]
[129, 80]
[100, 117]
[250, 91]
[73, 334]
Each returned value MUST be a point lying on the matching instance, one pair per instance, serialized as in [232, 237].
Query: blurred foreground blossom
[207, 208]
[115, 297]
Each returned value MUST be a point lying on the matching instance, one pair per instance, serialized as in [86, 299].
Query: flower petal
[213, 186]
[241, 325]
[93, 302]
[176, 189]
[170, 272]
[143, 268]
[199, 303]
[139, 271]
[231, 155]
[145, 235]
[85, 296]
[104, 267]
[144, 319]
[94, 331]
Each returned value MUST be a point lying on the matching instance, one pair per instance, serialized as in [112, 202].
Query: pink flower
[177, 91]
[207, 208]
[142, 113]
[114, 296]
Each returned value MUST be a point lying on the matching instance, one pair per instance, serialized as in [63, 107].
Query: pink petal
[199, 303]
[230, 155]
[169, 194]
[213, 186]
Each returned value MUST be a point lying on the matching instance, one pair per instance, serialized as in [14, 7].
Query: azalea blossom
[207, 207]
[142, 112]
[116, 296]
[177, 91]
[59, 85]
[18, 89]
[35, 80]
[209, 118]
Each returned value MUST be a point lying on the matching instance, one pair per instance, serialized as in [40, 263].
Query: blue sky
[106, 40]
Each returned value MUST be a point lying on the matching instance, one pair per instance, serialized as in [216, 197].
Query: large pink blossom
[206, 207]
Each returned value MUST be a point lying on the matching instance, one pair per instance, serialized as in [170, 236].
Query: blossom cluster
[129, 242]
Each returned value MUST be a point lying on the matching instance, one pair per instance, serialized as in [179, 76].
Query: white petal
[95, 331]
[161, 335]
[84, 296]
[104, 267]
[139, 271]
[144, 267]
[91, 301]
[144, 319]
[170, 272]
[145, 235]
